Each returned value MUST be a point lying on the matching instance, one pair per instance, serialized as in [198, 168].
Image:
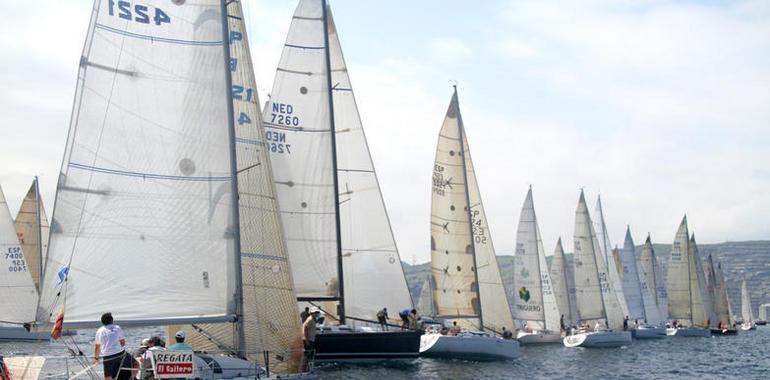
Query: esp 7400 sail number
[138, 12]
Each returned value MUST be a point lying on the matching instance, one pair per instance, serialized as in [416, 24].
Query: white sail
[559, 280]
[425, 300]
[143, 215]
[18, 291]
[651, 284]
[298, 122]
[461, 246]
[32, 228]
[606, 251]
[533, 293]
[746, 313]
[270, 321]
[632, 288]
[685, 303]
[702, 309]
[718, 296]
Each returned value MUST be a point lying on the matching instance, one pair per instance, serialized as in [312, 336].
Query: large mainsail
[746, 313]
[559, 280]
[652, 282]
[32, 228]
[468, 284]
[602, 235]
[18, 291]
[596, 299]
[685, 303]
[632, 288]
[533, 296]
[143, 223]
[702, 294]
[332, 209]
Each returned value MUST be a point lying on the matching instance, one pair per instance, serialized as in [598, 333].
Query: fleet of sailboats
[238, 216]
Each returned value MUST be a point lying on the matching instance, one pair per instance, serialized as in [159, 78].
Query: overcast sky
[663, 107]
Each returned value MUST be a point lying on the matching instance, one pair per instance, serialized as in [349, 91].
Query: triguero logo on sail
[136, 12]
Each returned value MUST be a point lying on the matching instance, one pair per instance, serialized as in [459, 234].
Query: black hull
[342, 346]
[724, 332]
[761, 323]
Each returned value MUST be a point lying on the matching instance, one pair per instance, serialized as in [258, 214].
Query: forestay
[560, 283]
[460, 239]
[143, 219]
[605, 246]
[18, 290]
[32, 228]
[533, 297]
[299, 136]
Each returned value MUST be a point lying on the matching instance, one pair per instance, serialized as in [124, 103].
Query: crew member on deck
[382, 317]
[108, 345]
[180, 345]
[308, 329]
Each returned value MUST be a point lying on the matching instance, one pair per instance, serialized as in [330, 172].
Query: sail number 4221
[138, 12]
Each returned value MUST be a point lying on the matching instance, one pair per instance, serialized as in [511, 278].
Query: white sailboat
[164, 175]
[640, 300]
[16, 286]
[650, 269]
[534, 302]
[599, 312]
[469, 288]
[603, 237]
[746, 313]
[560, 284]
[341, 248]
[718, 292]
[685, 295]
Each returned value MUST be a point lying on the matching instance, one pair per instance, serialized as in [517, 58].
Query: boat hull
[468, 347]
[747, 327]
[724, 331]
[353, 346]
[526, 338]
[689, 332]
[649, 333]
[598, 339]
[20, 334]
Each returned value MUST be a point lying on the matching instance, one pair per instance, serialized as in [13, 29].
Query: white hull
[649, 332]
[598, 339]
[747, 327]
[231, 367]
[525, 338]
[18, 334]
[688, 332]
[468, 346]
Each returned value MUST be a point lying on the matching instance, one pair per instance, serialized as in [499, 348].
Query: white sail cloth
[16, 286]
[746, 311]
[605, 246]
[143, 204]
[559, 280]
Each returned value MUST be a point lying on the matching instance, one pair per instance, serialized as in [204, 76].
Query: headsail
[559, 280]
[602, 235]
[32, 228]
[461, 246]
[533, 296]
[18, 290]
[425, 301]
[700, 291]
[145, 184]
[312, 127]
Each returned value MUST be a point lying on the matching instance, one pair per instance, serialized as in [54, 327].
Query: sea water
[745, 356]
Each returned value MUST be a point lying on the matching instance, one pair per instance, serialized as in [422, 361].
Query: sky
[662, 107]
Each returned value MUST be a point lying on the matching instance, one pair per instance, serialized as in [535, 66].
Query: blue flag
[62, 274]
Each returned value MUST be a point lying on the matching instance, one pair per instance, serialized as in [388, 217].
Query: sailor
[625, 323]
[455, 329]
[404, 314]
[382, 317]
[304, 314]
[414, 320]
[561, 323]
[109, 345]
[145, 362]
[507, 334]
[180, 345]
[308, 328]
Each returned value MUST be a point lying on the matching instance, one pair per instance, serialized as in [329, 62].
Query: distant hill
[749, 259]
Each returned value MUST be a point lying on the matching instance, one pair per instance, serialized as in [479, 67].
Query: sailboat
[640, 300]
[341, 248]
[597, 303]
[165, 189]
[469, 288]
[718, 292]
[18, 290]
[605, 247]
[560, 284]
[32, 228]
[650, 269]
[534, 302]
[746, 313]
[683, 286]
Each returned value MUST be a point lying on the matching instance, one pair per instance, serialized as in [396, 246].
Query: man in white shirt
[108, 346]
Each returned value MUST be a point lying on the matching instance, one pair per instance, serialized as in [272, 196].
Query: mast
[468, 202]
[236, 229]
[340, 279]
[39, 230]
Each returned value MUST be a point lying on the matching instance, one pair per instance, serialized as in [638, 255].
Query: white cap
[314, 310]
[180, 334]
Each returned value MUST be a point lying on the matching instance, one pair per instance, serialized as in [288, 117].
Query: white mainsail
[18, 291]
[747, 314]
[685, 303]
[700, 276]
[651, 272]
[632, 288]
[639, 274]
[559, 279]
[468, 284]
[317, 145]
[143, 221]
[32, 228]
[594, 293]
[533, 296]
[605, 247]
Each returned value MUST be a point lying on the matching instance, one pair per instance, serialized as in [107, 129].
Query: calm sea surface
[745, 356]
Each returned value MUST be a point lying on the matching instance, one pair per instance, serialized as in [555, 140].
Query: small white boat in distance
[468, 345]
[747, 313]
[598, 339]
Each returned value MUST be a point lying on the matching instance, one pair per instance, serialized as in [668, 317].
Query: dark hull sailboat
[340, 344]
